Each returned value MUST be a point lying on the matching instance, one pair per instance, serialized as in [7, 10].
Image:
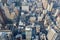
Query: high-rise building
[28, 33]
[4, 1]
[58, 36]
[50, 6]
[45, 3]
[51, 34]
[58, 22]
[7, 13]
[44, 11]
[4, 34]
[37, 28]
[39, 18]
[57, 11]
[1, 19]
[0, 0]
[43, 37]
[32, 19]
[25, 8]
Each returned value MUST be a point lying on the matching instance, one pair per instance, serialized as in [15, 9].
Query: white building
[25, 8]
[28, 33]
